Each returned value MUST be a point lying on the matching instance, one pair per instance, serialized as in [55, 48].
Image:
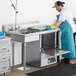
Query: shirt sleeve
[63, 16]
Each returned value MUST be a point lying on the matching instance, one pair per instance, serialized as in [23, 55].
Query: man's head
[59, 5]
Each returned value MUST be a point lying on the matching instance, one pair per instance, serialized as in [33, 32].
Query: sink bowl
[23, 32]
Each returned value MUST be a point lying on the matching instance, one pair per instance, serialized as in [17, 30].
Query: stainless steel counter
[25, 38]
[18, 36]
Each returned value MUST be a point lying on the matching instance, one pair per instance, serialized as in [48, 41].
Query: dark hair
[58, 3]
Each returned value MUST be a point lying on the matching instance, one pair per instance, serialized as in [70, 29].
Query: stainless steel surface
[4, 47]
[48, 60]
[26, 33]
[18, 36]
[4, 55]
[74, 19]
[48, 40]
[33, 54]
[5, 74]
[34, 51]
[24, 57]
[55, 39]
[12, 55]
[43, 50]
[4, 66]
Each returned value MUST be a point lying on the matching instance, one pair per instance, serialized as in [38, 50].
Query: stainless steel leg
[12, 55]
[55, 39]
[59, 39]
[59, 42]
[4, 74]
[74, 35]
[24, 49]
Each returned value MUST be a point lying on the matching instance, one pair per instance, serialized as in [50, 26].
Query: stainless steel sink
[23, 32]
[15, 35]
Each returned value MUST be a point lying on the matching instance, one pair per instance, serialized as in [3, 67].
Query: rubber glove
[48, 28]
[52, 26]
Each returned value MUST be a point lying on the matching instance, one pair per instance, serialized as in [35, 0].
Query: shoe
[72, 61]
[66, 61]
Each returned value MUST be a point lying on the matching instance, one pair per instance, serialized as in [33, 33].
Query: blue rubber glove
[48, 28]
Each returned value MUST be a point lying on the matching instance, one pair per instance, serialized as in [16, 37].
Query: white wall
[5, 12]
[31, 10]
[37, 10]
[41, 10]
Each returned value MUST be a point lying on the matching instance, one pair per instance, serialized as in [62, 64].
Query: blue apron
[75, 43]
[67, 40]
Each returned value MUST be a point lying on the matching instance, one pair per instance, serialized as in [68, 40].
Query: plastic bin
[2, 34]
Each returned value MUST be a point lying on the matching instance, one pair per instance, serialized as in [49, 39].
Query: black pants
[74, 38]
[74, 35]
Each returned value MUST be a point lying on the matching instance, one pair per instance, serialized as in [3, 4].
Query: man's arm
[57, 23]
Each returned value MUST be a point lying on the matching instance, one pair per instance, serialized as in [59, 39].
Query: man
[67, 27]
